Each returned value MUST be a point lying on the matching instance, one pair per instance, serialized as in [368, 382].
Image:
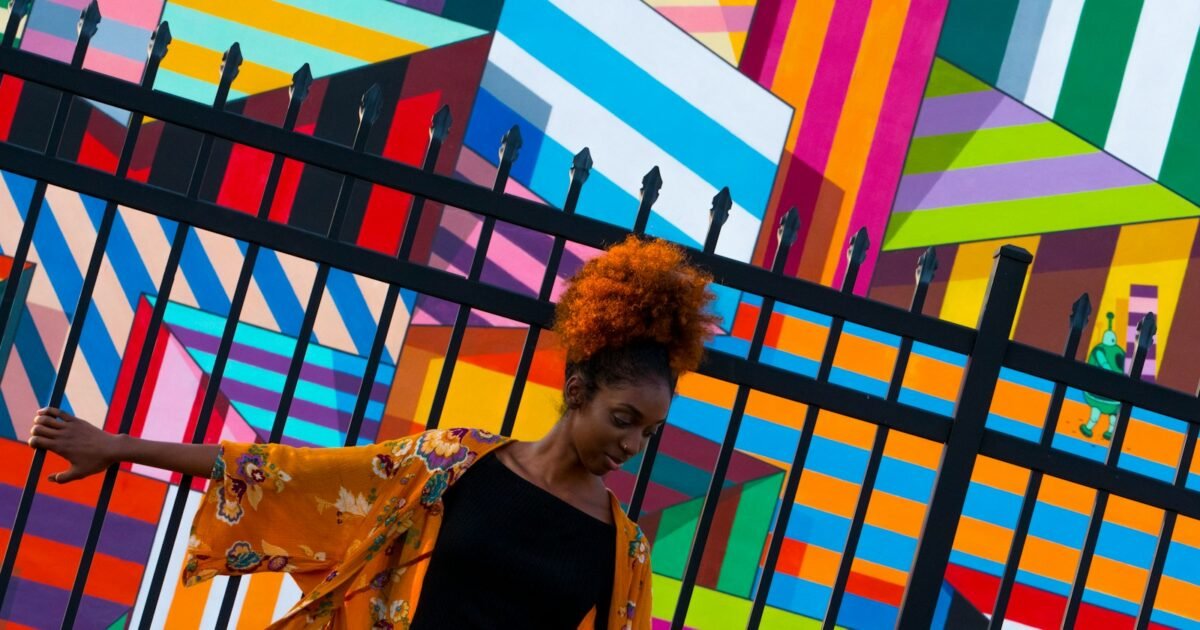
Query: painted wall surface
[1065, 126]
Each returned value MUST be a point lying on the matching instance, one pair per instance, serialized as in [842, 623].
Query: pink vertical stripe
[170, 403]
[897, 119]
[760, 56]
[822, 113]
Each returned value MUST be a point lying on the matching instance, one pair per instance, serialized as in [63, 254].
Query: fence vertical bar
[1146, 329]
[966, 434]
[1167, 530]
[510, 146]
[856, 254]
[368, 113]
[927, 264]
[787, 236]
[157, 50]
[18, 12]
[581, 166]
[439, 127]
[301, 81]
[89, 20]
[1080, 311]
[718, 214]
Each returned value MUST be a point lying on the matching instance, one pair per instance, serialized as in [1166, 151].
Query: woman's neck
[554, 462]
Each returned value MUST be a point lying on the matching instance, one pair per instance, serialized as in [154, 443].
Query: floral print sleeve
[271, 507]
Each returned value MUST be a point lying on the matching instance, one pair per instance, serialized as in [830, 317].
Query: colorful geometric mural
[1064, 126]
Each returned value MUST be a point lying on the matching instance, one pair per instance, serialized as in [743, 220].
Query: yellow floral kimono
[356, 526]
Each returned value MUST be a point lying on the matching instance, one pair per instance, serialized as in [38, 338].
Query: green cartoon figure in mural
[1107, 355]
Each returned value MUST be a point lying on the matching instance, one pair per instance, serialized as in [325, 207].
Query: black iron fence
[964, 434]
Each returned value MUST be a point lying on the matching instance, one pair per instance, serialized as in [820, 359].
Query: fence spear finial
[651, 185]
[231, 61]
[927, 265]
[785, 237]
[510, 145]
[439, 127]
[718, 214]
[159, 41]
[1081, 310]
[1147, 328]
[859, 244]
[581, 165]
[301, 82]
[89, 20]
[372, 102]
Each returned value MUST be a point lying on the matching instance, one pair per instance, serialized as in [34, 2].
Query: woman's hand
[87, 448]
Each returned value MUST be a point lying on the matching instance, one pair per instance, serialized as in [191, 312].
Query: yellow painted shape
[204, 64]
[318, 30]
[478, 397]
[718, 43]
[1147, 253]
[968, 283]
[856, 126]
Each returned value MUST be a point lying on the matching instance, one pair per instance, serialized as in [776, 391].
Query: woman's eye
[621, 422]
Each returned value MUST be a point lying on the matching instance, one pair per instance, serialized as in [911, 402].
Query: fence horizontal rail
[1089, 473]
[349, 257]
[1114, 385]
[453, 192]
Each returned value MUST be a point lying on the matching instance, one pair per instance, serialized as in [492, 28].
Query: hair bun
[639, 291]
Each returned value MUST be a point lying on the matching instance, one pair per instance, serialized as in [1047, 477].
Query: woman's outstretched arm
[90, 449]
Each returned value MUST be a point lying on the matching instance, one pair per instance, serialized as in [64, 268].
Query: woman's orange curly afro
[641, 290]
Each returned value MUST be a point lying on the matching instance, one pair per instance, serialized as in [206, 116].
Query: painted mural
[1068, 127]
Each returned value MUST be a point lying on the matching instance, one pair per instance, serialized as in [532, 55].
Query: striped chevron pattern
[1124, 76]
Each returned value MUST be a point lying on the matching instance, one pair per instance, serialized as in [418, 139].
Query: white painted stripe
[1058, 38]
[683, 65]
[578, 121]
[256, 311]
[110, 302]
[212, 607]
[330, 326]
[289, 596]
[398, 331]
[226, 258]
[1023, 41]
[164, 600]
[374, 293]
[238, 601]
[172, 580]
[153, 246]
[1153, 83]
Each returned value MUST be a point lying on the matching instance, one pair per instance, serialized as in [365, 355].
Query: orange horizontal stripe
[1187, 532]
[828, 494]
[1049, 559]
[779, 410]
[866, 357]
[982, 539]
[844, 429]
[914, 450]
[933, 377]
[1178, 597]
[1000, 475]
[705, 389]
[895, 514]
[1066, 495]
[54, 564]
[1117, 579]
[134, 496]
[820, 565]
[1020, 403]
[879, 572]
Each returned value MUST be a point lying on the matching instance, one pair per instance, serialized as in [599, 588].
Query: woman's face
[616, 423]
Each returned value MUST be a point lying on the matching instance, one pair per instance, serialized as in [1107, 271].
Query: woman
[456, 528]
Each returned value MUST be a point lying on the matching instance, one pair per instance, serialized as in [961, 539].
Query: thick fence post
[966, 434]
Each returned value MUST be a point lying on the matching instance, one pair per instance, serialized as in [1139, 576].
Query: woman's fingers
[48, 422]
[41, 441]
[44, 431]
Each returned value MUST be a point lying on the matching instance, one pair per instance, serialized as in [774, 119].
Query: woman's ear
[573, 392]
